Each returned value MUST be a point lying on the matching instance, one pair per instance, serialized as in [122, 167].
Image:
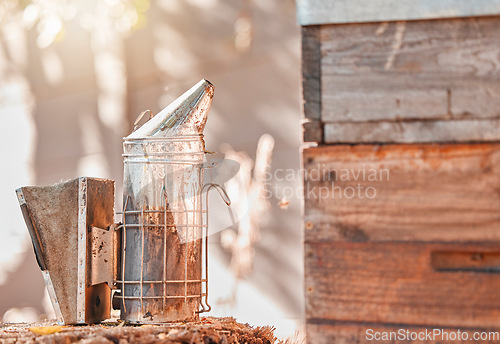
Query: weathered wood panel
[395, 283]
[478, 130]
[311, 12]
[311, 72]
[346, 333]
[312, 131]
[420, 248]
[447, 192]
[311, 84]
[416, 81]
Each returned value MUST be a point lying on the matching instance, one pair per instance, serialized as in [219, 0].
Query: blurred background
[74, 75]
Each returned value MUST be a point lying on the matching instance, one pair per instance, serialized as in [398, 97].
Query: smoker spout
[186, 115]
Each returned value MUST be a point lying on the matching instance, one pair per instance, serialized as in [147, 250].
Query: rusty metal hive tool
[158, 255]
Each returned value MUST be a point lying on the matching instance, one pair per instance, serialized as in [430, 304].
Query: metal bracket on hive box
[71, 229]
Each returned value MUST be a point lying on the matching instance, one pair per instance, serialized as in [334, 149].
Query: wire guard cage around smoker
[164, 232]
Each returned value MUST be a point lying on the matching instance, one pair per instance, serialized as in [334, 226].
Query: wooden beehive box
[402, 190]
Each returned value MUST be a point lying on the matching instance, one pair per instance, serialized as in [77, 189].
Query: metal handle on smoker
[225, 197]
[138, 119]
[222, 192]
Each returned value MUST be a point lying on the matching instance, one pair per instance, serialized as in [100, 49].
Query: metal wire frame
[142, 227]
[203, 295]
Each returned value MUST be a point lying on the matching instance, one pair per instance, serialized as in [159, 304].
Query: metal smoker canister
[163, 239]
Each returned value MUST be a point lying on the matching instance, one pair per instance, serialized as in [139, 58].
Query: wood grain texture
[473, 130]
[418, 192]
[311, 72]
[315, 12]
[422, 250]
[416, 81]
[395, 283]
[344, 333]
[312, 131]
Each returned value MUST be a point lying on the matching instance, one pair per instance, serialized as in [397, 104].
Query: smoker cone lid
[186, 115]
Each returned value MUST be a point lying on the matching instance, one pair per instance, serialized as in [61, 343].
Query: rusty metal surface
[102, 256]
[163, 227]
[53, 210]
[61, 217]
[82, 250]
[187, 115]
[161, 278]
[100, 211]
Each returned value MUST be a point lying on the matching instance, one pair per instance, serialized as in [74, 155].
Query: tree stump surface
[205, 331]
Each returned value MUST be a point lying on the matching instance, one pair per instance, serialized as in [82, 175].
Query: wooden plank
[413, 62]
[382, 71]
[418, 192]
[314, 12]
[413, 131]
[395, 283]
[311, 72]
[443, 71]
[344, 333]
[312, 131]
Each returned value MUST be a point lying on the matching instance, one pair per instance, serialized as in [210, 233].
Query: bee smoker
[157, 257]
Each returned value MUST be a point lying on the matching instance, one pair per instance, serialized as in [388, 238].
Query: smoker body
[161, 274]
[162, 231]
